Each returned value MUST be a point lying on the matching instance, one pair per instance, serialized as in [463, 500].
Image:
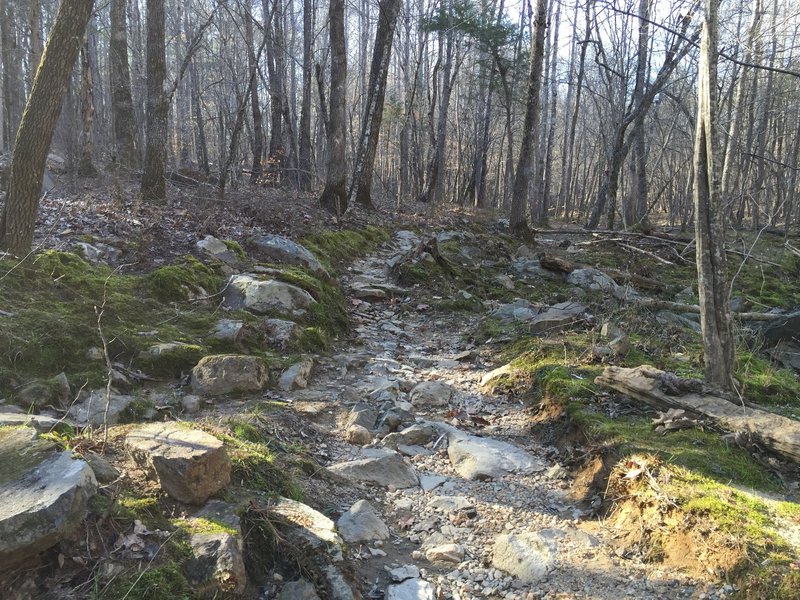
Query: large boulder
[44, 494]
[227, 373]
[310, 525]
[486, 458]
[279, 333]
[92, 410]
[527, 556]
[265, 295]
[189, 464]
[361, 523]
[378, 466]
[282, 250]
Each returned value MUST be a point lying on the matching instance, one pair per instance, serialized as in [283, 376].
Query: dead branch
[695, 309]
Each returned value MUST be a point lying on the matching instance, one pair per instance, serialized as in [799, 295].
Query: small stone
[431, 393]
[361, 523]
[358, 435]
[298, 590]
[190, 404]
[445, 553]
[217, 563]
[296, 377]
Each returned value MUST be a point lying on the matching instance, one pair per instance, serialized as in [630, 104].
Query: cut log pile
[779, 434]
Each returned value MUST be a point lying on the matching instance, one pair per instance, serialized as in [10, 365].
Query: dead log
[639, 281]
[551, 262]
[779, 434]
[695, 309]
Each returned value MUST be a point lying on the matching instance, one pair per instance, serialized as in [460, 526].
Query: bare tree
[122, 114]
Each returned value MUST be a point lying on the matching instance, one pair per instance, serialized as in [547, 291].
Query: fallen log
[695, 309]
[779, 434]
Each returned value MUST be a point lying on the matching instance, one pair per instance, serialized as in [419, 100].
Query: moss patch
[337, 248]
[183, 280]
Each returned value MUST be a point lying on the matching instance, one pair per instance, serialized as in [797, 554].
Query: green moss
[204, 525]
[764, 383]
[336, 248]
[312, 339]
[173, 361]
[179, 281]
[165, 581]
[236, 248]
[136, 411]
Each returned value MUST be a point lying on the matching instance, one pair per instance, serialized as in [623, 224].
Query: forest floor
[603, 506]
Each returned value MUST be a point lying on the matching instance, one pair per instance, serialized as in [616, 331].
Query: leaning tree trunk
[334, 196]
[519, 198]
[153, 186]
[361, 186]
[38, 123]
[715, 318]
[122, 115]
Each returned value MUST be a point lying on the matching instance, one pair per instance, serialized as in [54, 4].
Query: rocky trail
[390, 467]
[490, 515]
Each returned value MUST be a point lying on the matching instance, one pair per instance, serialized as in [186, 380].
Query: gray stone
[505, 281]
[54, 391]
[381, 467]
[486, 458]
[519, 310]
[361, 523]
[557, 317]
[445, 553]
[190, 404]
[411, 589]
[496, 374]
[216, 563]
[228, 330]
[337, 584]
[531, 268]
[189, 464]
[414, 435]
[40, 423]
[265, 295]
[102, 468]
[296, 377]
[782, 330]
[431, 393]
[309, 524]
[44, 494]
[449, 504]
[358, 435]
[215, 248]
[592, 280]
[666, 317]
[527, 556]
[609, 331]
[431, 482]
[221, 513]
[298, 590]
[395, 418]
[362, 414]
[402, 573]
[282, 250]
[92, 410]
[280, 333]
[226, 373]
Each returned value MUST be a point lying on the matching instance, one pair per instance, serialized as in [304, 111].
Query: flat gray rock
[296, 376]
[92, 411]
[40, 423]
[218, 249]
[486, 458]
[591, 280]
[265, 295]
[298, 590]
[44, 494]
[189, 464]
[414, 435]
[381, 467]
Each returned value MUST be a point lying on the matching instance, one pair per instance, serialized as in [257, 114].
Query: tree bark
[304, 164]
[361, 186]
[334, 196]
[153, 187]
[38, 123]
[519, 198]
[122, 115]
[13, 95]
[85, 162]
[715, 318]
[258, 132]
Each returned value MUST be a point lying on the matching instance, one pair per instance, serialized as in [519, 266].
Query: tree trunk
[13, 94]
[35, 33]
[334, 196]
[519, 198]
[86, 143]
[304, 164]
[123, 118]
[153, 186]
[37, 126]
[361, 186]
[258, 132]
[637, 199]
[715, 319]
